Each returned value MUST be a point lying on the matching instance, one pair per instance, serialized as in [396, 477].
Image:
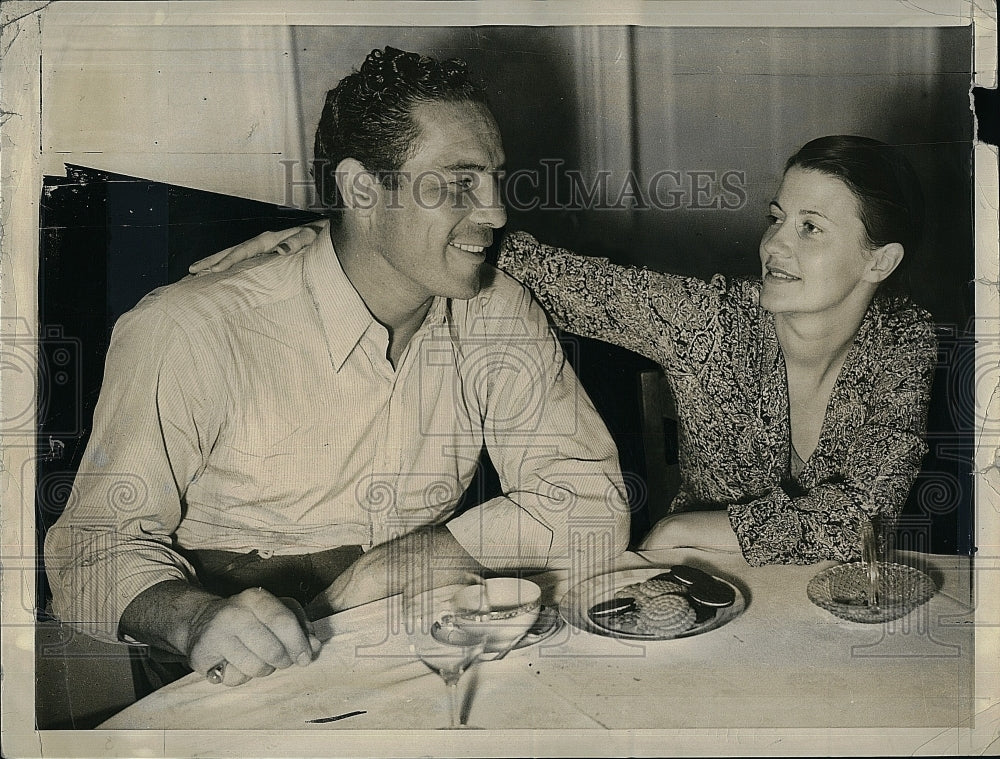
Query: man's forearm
[420, 560]
[163, 615]
[253, 632]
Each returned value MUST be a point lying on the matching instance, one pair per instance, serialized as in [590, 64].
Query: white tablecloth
[783, 663]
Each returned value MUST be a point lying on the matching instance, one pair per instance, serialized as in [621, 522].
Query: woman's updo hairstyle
[890, 201]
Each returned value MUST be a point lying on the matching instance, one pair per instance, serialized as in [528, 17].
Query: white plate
[578, 601]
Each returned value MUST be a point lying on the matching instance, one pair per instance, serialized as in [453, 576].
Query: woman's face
[814, 256]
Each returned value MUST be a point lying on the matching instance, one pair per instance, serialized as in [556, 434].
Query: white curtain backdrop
[209, 107]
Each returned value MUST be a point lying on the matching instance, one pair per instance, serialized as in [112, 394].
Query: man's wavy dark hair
[368, 115]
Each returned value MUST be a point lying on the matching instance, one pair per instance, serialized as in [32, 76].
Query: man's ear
[359, 188]
[884, 261]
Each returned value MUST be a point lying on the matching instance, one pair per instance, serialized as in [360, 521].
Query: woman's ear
[358, 187]
[884, 261]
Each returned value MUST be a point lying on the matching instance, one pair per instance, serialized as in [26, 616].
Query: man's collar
[342, 312]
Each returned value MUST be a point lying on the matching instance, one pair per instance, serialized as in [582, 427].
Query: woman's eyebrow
[807, 212]
[803, 212]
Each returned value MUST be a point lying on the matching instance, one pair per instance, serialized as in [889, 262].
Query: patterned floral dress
[720, 353]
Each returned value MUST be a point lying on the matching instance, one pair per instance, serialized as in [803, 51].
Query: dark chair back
[659, 436]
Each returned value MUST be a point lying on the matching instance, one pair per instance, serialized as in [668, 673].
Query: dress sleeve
[878, 465]
[563, 502]
[113, 540]
[651, 313]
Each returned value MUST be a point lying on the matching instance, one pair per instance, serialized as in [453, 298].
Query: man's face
[434, 229]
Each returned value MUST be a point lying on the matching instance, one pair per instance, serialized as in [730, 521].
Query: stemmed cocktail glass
[441, 644]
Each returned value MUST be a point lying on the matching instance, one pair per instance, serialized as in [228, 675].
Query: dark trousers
[225, 573]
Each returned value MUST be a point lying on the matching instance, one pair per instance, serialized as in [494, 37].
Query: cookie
[657, 587]
[636, 591]
[628, 622]
[665, 614]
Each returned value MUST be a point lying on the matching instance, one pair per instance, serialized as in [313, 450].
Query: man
[270, 423]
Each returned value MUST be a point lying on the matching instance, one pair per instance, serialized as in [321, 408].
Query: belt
[298, 576]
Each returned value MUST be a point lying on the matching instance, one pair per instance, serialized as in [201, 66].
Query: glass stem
[453, 703]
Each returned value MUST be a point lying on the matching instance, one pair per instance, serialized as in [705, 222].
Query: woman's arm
[869, 475]
[873, 476]
[701, 529]
[635, 308]
[283, 242]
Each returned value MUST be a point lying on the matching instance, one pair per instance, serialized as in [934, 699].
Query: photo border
[20, 150]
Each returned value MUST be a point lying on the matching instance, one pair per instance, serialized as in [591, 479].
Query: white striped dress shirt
[256, 409]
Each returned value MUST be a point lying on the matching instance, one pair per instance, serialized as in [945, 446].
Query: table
[783, 663]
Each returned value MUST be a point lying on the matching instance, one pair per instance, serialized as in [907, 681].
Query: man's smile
[477, 249]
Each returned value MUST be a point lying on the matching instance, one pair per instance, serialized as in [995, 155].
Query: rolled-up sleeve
[114, 538]
[564, 501]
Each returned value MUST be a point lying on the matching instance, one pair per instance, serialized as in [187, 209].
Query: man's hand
[254, 632]
[701, 529]
[426, 558]
[284, 242]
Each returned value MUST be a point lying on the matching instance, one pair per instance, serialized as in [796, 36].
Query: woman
[802, 396]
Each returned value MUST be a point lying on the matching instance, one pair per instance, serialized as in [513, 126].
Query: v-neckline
[835, 393]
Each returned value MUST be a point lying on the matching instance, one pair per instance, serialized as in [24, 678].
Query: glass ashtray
[843, 591]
